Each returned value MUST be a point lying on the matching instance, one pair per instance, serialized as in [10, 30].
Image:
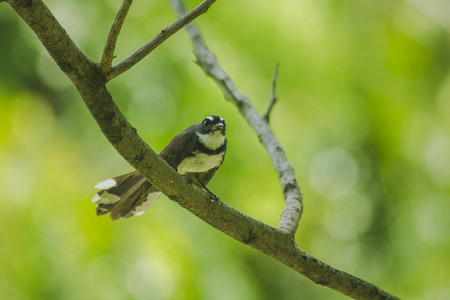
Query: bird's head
[212, 124]
[211, 132]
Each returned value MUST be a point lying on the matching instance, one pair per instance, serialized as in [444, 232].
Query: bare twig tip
[273, 97]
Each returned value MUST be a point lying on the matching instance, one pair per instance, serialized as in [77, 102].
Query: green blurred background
[364, 100]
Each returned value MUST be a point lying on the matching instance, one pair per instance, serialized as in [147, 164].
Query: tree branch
[91, 84]
[293, 208]
[110, 45]
[206, 59]
[273, 97]
[163, 35]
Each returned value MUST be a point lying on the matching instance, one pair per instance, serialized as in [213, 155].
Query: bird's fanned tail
[125, 196]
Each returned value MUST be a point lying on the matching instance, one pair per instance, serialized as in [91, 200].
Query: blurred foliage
[364, 100]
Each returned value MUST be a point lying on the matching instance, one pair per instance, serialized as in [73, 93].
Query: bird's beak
[218, 126]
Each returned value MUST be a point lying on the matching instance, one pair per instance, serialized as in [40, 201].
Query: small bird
[196, 153]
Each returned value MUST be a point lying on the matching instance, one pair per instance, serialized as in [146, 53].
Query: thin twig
[273, 96]
[110, 45]
[206, 59]
[158, 39]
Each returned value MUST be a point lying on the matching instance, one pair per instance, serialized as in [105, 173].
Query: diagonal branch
[206, 59]
[158, 39]
[110, 45]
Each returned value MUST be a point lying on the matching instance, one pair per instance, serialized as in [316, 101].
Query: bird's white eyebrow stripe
[211, 118]
[221, 119]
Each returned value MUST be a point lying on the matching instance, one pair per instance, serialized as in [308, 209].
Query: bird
[195, 153]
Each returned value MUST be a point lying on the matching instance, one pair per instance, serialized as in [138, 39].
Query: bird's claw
[213, 196]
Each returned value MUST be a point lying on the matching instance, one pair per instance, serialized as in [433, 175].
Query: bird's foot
[188, 179]
[213, 196]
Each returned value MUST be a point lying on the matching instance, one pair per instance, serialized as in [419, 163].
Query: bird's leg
[213, 196]
[192, 179]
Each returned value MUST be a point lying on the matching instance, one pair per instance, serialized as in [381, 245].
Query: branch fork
[105, 64]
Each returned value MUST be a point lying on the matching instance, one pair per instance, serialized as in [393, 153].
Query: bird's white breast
[200, 162]
[213, 140]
